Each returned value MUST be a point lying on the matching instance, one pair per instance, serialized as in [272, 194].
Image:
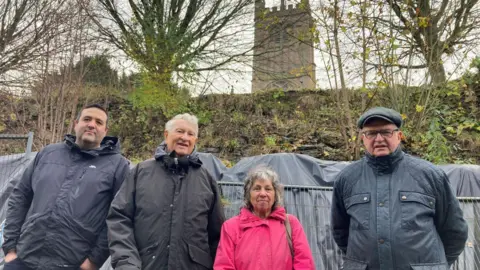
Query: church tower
[283, 52]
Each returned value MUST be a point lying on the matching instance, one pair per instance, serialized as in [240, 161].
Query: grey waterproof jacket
[56, 213]
[396, 212]
[166, 216]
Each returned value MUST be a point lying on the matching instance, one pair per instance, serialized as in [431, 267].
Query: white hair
[190, 118]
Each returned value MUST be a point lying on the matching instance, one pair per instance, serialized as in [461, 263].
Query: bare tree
[57, 86]
[433, 29]
[25, 27]
[170, 36]
[330, 28]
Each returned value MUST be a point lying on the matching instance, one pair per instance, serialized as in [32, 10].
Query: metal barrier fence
[311, 205]
[16, 144]
[13, 149]
[470, 258]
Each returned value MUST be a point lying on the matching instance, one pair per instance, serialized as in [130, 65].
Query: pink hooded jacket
[248, 242]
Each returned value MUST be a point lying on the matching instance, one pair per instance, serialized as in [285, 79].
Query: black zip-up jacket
[166, 215]
[396, 212]
[56, 213]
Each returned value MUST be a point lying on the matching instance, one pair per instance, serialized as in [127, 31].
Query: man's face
[181, 138]
[380, 137]
[91, 128]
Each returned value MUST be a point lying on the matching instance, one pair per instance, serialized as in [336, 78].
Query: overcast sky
[240, 80]
[238, 76]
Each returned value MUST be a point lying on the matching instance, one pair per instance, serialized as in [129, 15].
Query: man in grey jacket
[394, 211]
[56, 215]
[168, 213]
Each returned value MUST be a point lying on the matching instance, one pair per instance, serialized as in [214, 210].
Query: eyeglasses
[372, 134]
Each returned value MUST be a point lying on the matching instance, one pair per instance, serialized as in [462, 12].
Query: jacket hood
[110, 145]
[249, 219]
[385, 164]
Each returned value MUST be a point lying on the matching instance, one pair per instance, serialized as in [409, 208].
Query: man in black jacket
[56, 213]
[394, 211]
[168, 213]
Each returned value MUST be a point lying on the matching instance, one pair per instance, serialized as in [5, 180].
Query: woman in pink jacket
[257, 237]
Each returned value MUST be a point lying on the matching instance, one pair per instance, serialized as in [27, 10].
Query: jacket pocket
[358, 208]
[32, 231]
[30, 221]
[418, 210]
[147, 255]
[199, 256]
[125, 264]
[148, 249]
[430, 266]
[91, 191]
[352, 264]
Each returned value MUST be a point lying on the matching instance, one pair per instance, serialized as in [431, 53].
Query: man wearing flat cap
[394, 211]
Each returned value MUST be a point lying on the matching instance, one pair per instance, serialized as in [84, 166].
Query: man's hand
[11, 255]
[88, 265]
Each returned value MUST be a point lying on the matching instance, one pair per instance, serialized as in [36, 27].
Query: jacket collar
[249, 219]
[174, 163]
[109, 145]
[385, 164]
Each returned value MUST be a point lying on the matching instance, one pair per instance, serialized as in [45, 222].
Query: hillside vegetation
[441, 123]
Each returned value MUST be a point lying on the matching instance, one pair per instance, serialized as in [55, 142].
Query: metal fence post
[29, 144]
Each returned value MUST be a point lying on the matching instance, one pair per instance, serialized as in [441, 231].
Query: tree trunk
[345, 99]
[73, 108]
[364, 54]
[436, 70]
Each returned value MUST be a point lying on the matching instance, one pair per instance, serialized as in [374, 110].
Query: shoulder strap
[288, 228]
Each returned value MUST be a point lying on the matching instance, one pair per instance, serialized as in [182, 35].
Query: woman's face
[262, 197]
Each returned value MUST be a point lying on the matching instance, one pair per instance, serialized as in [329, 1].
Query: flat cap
[380, 112]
